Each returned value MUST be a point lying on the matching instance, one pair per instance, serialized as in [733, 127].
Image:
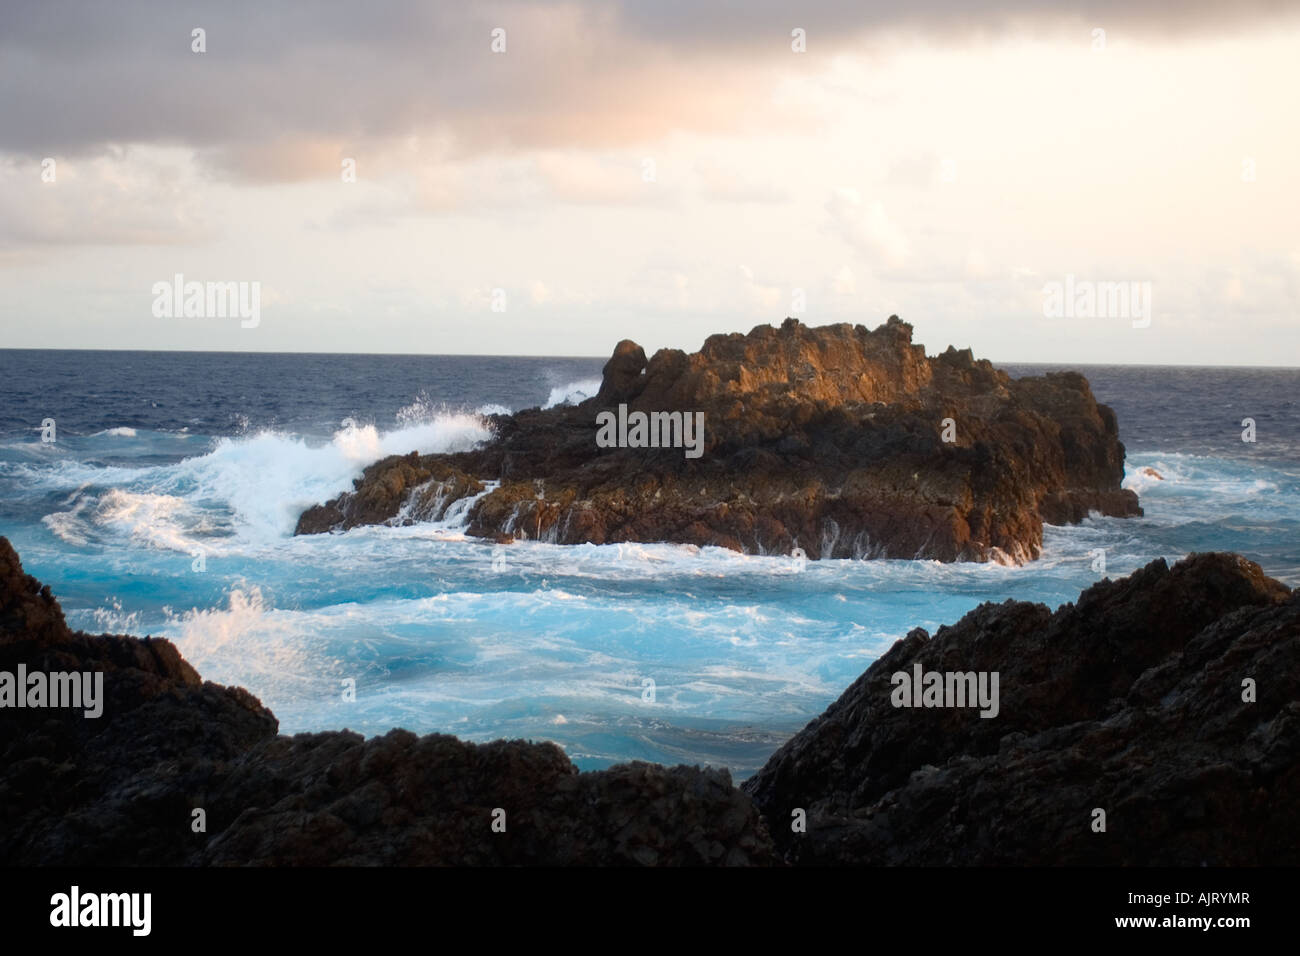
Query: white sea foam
[68, 526]
[573, 392]
[276, 654]
[148, 520]
[115, 619]
[264, 481]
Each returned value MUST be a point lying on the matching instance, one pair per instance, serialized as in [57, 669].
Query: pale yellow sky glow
[616, 182]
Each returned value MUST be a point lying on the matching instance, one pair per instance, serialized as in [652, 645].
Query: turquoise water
[167, 503]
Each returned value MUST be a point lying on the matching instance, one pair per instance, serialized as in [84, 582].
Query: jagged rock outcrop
[842, 441]
[336, 799]
[1129, 701]
[122, 788]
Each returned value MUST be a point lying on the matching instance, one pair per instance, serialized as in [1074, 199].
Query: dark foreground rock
[1130, 701]
[122, 788]
[841, 441]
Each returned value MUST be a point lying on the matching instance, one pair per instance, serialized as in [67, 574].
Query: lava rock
[122, 789]
[839, 440]
[1130, 701]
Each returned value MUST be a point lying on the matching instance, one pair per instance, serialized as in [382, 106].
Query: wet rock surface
[838, 440]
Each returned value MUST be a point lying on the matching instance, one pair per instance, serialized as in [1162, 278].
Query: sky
[547, 178]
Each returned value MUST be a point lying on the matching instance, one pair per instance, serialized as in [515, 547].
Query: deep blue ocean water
[167, 501]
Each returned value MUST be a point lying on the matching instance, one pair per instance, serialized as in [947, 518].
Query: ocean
[166, 505]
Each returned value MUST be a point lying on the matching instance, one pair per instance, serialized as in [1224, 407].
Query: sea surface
[166, 505]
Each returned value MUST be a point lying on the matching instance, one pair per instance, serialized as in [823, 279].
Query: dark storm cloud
[735, 21]
[81, 75]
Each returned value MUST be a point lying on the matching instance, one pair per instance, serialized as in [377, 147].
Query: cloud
[727, 184]
[913, 172]
[281, 160]
[761, 298]
[585, 178]
[844, 282]
[132, 197]
[282, 85]
[867, 228]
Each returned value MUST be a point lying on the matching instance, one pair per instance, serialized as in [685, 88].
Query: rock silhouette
[1170, 699]
[1130, 700]
[121, 789]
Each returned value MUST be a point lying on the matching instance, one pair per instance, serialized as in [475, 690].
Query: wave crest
[573, 393]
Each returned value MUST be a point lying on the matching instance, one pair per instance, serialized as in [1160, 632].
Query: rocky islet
[839, 441]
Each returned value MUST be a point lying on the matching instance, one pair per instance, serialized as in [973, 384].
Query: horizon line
[519, 355]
